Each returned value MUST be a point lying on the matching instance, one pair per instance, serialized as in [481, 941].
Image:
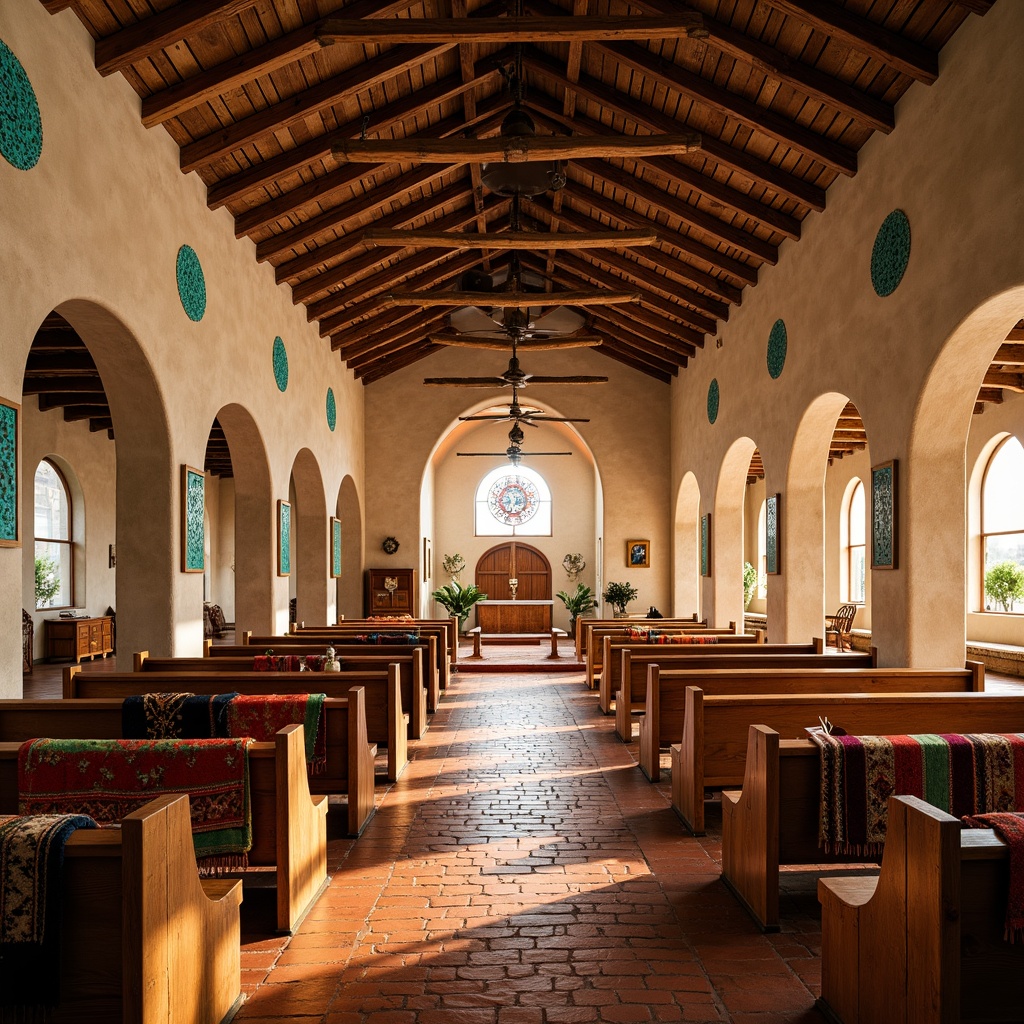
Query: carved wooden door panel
[514, 560]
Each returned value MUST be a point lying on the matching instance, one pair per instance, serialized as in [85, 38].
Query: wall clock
[390, 546]
[513, 500]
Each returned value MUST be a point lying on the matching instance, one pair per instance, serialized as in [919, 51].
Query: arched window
[854, 533]
[1002, 517]
[53, 551]
[513, 502]
[762, 553]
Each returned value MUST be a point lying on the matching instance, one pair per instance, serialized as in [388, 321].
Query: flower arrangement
[453, 565]
[573, 566]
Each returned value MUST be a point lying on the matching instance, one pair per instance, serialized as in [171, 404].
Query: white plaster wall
[101, 218]
[954, 167]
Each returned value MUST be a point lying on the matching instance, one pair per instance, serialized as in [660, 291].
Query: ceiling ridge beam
[410, 356]
[375, 338]
[864, 36]
[244, 68]
[288, 112]
[359, 354]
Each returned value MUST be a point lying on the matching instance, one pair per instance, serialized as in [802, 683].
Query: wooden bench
[619, 637]
[289, 825]
[435, 664]
[622, 661]
[923, 942]
[145, 940]
[585, 624]
[554, 636]
[450, 625]
[387, 721]
[350, 755]
[714, 736]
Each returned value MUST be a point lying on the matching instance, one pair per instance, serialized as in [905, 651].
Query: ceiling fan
[528, 416]
[514, 452]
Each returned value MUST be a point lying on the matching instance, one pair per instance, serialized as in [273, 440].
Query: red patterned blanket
[960, 774]
[261, 716]
[108, 779]
[1010, 828]
[288, 662]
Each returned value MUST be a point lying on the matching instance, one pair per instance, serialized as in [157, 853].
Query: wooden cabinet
[514, 616]
[389, 592]
[76, 639]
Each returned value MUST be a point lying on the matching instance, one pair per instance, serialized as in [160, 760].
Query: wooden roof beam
[403, 359]
[511, 300]
[510, 29]
[43, 385]
[387, 318]
[238, 71]
[1004, 379]
[1010, 353]
[611, 326]
[367, 339]
[640, 358]
[513, 240]
[370, 348]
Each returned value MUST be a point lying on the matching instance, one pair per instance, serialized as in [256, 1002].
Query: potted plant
[1004, 584]
[576, 604]
[618, 595]
[458, 600]
[749, 582]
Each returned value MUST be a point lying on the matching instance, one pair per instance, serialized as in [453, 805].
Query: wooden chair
[840, 626]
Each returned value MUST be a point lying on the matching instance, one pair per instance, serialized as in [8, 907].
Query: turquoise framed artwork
[884, 515]
[193, 510]
[705, 544]
[772, 562]
[335, 547]
[284, 537]
[10, 439]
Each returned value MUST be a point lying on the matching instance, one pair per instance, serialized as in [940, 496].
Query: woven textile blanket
[31, 855]
[1009, 827]
[174, 716]
[681, 638]
[639, 632]
[387, 638]
[960, 774]
[261, 716]
[108, 779]
[288, 662]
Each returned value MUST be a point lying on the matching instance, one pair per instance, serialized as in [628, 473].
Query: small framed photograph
[772, 560]
[335, 547]
[193, 509]
[284, 537]
[884, 515]
[638, 554]
[705, 544]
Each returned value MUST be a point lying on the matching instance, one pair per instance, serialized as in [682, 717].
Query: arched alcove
[309, 539]
[723, 590]
[686, 553]
[349, 586]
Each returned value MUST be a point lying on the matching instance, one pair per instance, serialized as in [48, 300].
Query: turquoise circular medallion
[890, 253]
[777, 344]
[332, 409]
[280, 364]
[191, 283]
[713, 398]
[21, 126]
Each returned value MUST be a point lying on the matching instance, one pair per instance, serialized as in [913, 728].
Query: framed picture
[638, 554]
[884, 519]
[193, 507]
[284, 537]
[705, 544]
[10, 453]
[428, 559]
[335, 547]
[772, 560]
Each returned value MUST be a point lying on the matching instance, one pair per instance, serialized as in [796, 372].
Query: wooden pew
[387, 723]
[714, 744]
[289, 825]
[595, 647]
[145, 940]
[923, 942]
[445, 630]
[584, 625]
[628, 660]
[349, 753]
[450, 624]
[435, 663]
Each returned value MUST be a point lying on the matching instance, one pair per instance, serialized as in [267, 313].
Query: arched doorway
[531, 570]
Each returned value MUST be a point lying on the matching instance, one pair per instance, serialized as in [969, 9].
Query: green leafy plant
[618, 595]
[47, 580]
[749, 583]
[1004, 584]
[458, 600]
[578, 603]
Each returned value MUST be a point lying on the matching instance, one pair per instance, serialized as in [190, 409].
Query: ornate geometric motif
[284, 538]
[883, 508]
[705, 544]
[21, 127]
[771, 532]
[332, 409]
[191, 283]
[513, 500]
[280, 364]
[194, 508]
[890, 253]
[713, 397]
[8, 474]
[335, 547]
[777, 344]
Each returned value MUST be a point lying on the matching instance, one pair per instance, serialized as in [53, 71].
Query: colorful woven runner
[960, 774]
[262, 716]
[288, 662]
[174, 716]
[1010, 828]
[387, 638]
[108, 779]
[31, 855]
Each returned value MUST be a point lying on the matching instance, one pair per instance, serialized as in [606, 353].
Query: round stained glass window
[513, 500]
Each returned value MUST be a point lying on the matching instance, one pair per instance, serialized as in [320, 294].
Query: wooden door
[514, 560]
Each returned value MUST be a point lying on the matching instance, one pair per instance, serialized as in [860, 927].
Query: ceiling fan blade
[467, 382]
[504, 455]
[553, 419]
[504, 342]
[566, 380]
